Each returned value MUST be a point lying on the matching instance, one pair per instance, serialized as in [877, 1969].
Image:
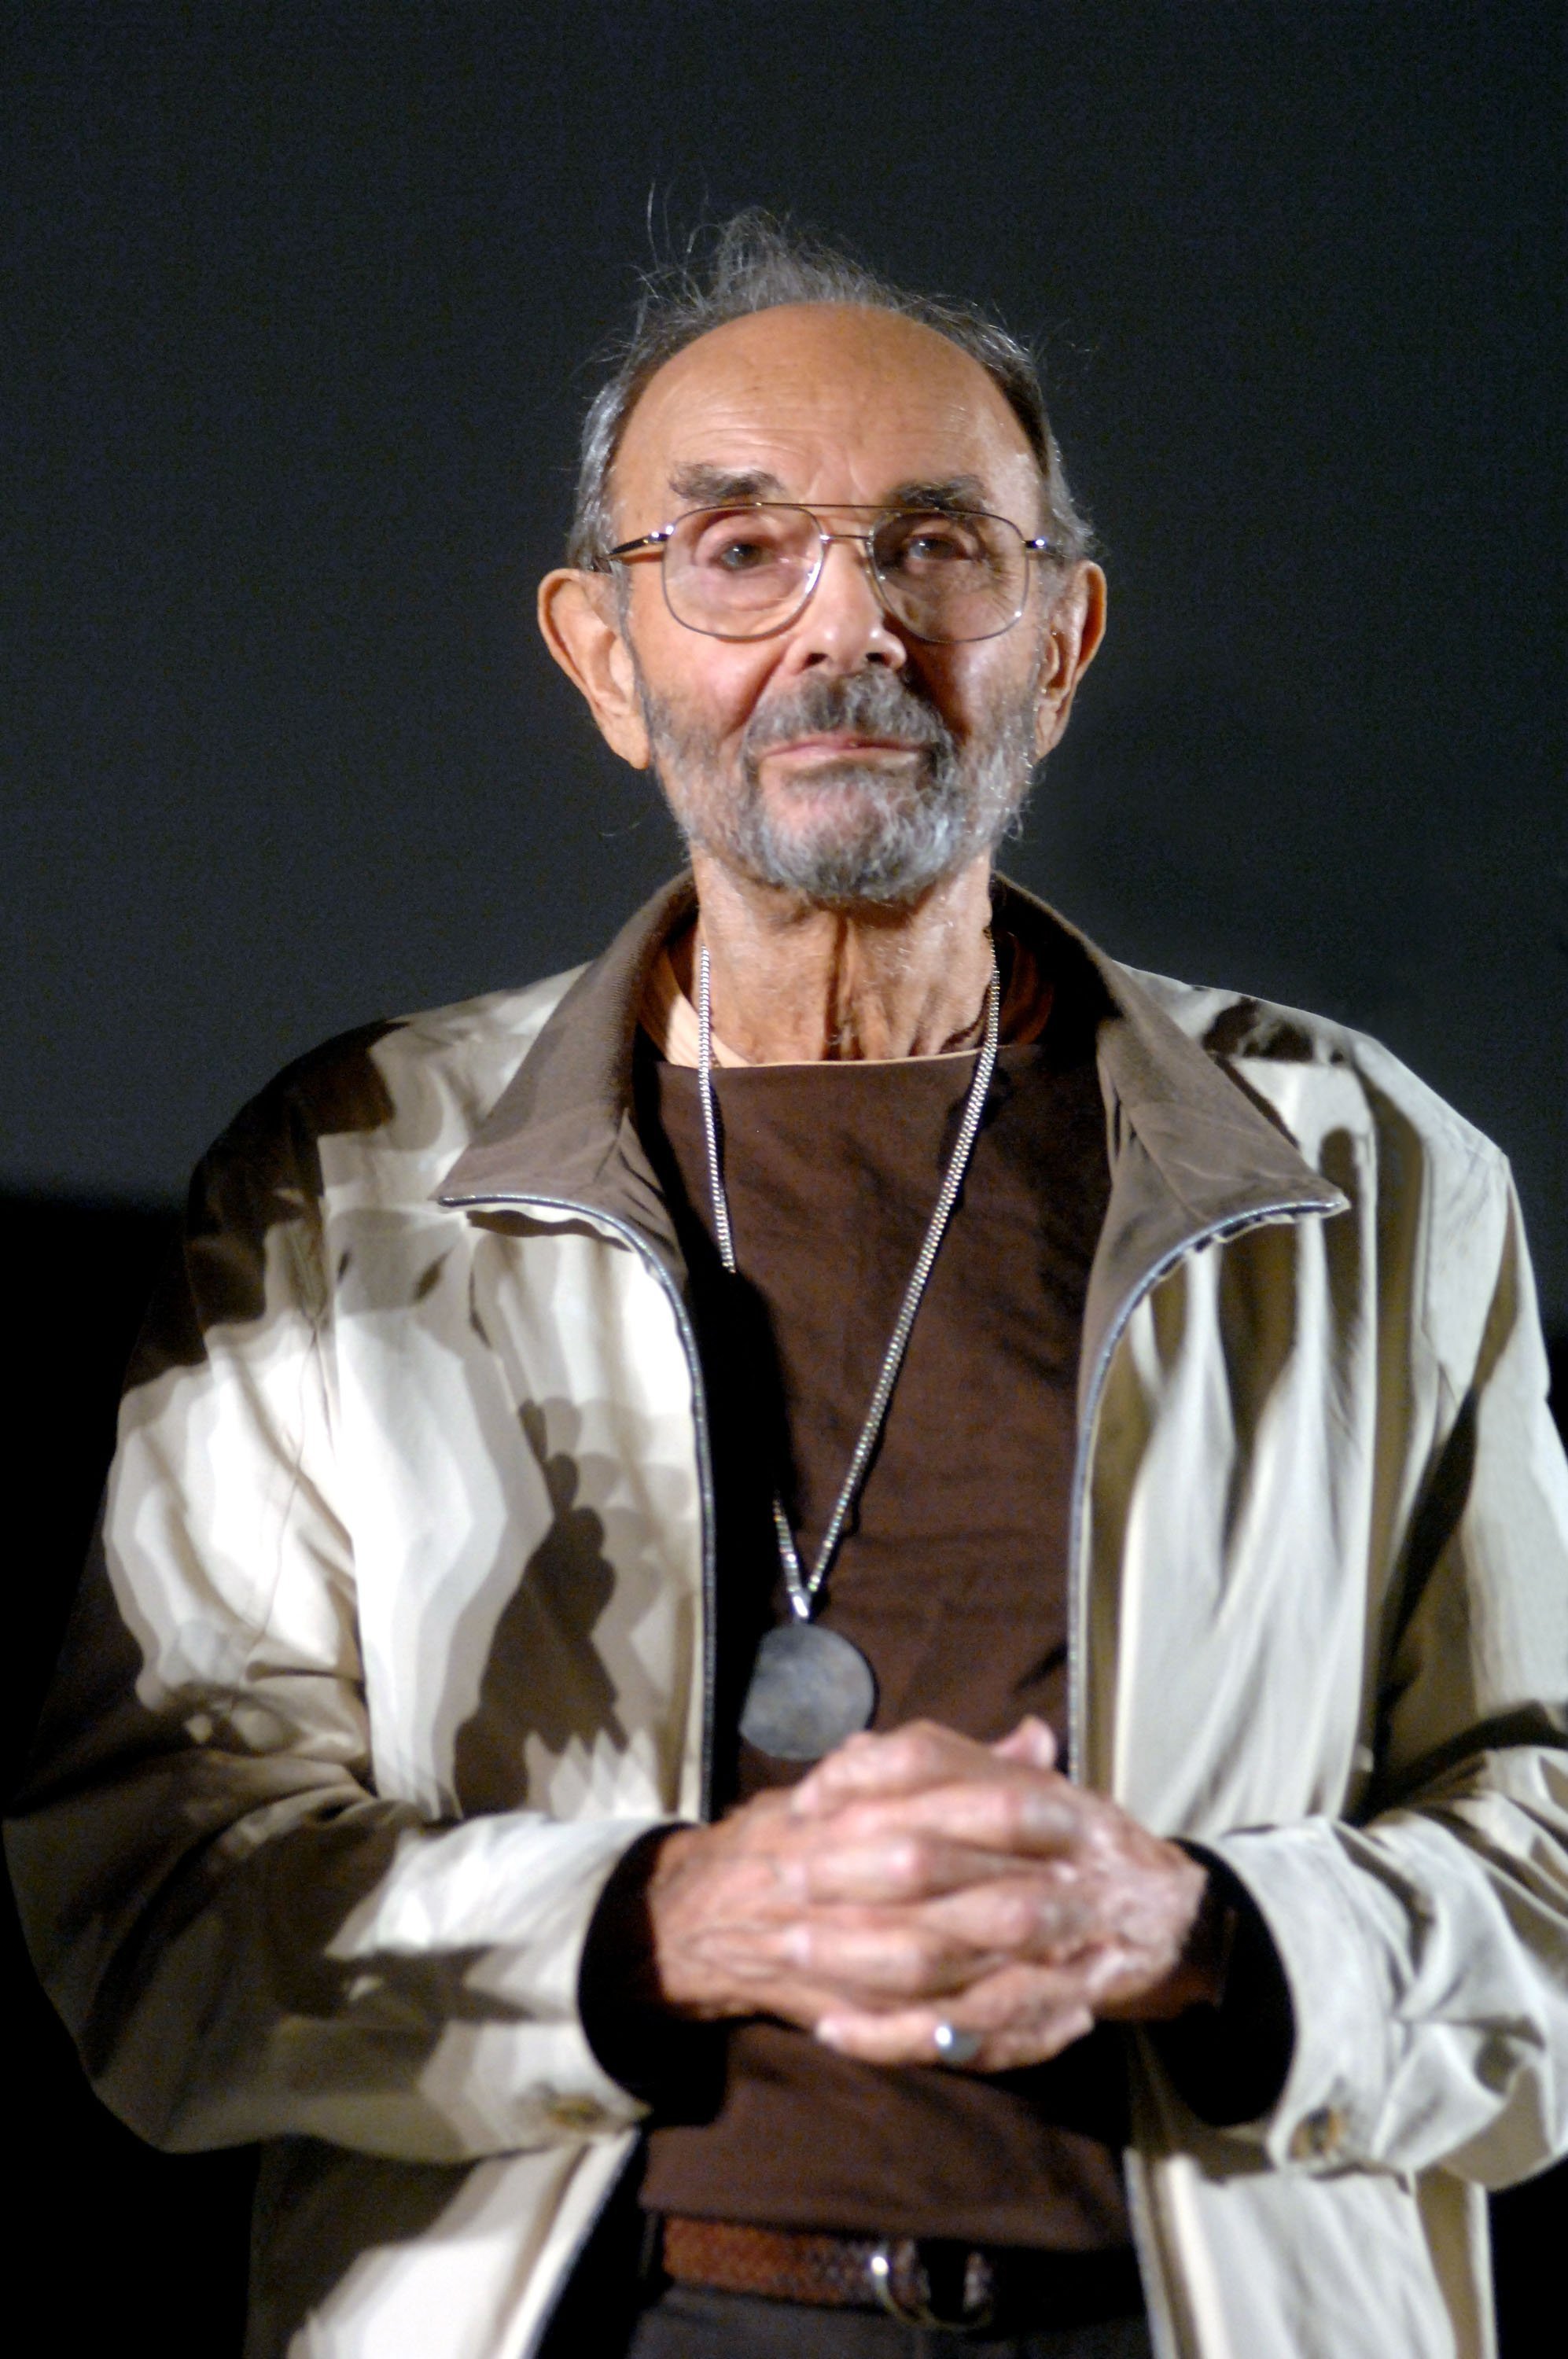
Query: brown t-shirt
[951, 1580]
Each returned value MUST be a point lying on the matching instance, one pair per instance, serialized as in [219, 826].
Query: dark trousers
[689, 2322]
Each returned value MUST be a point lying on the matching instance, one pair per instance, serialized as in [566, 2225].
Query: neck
[794, 983]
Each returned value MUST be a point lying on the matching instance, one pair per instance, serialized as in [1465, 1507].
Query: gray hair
[756, 263]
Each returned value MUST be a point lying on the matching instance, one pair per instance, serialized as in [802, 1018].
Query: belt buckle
[917, 2308]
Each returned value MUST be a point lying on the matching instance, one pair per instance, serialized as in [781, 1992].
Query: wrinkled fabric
[399, 1633]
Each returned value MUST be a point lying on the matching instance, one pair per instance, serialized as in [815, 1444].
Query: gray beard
[883, 842]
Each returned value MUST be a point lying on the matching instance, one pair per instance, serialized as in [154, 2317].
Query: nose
[845, 626]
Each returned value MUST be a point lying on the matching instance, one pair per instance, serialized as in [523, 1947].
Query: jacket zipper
[687, 1335]
[1217, 1232]
[1146, 2241]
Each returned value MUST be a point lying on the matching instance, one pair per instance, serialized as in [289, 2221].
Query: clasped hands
[920, 1878]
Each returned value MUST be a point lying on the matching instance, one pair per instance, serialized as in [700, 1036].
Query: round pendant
[810, 1689]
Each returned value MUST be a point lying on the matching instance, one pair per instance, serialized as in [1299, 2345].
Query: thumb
[1030, 1743]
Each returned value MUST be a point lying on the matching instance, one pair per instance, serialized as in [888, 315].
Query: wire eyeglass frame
[657, 543]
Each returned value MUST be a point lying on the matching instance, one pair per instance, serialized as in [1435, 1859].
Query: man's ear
[581, 629]
[1073, 637]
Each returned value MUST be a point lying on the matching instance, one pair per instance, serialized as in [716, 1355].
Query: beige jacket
[401, 1630]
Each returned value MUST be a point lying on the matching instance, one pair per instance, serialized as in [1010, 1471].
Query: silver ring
[956, 2047]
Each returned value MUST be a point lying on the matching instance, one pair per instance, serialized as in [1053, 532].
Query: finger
[901, 1948]
[920, 1754]
[908, 2036]
[908, 1865]
[1016, 2050]
[873, 1959]
[1028, 1814]
[1011, 2009]
[1039, 1918]
[1031, 1742]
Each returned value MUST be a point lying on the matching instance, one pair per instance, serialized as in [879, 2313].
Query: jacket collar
[561, 1131]
[1191, 1156]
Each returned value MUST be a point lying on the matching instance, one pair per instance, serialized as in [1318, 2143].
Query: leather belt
[924, 2281]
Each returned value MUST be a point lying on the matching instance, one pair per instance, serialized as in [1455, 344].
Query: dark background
[300, 304]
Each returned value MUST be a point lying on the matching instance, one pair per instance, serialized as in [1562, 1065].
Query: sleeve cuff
[674, 2067]
[1229, 2062]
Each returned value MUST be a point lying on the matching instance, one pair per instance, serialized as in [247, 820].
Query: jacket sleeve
[242, 1937]
[1425, 1944]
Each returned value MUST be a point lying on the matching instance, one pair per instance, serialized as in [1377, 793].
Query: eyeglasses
[747, 571]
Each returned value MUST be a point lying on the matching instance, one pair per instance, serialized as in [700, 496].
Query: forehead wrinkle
[720, 486]
[789, 395]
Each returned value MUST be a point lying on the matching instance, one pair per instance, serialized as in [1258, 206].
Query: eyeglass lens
[741, 572]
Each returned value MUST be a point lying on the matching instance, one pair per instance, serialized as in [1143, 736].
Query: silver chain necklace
[810, 1687]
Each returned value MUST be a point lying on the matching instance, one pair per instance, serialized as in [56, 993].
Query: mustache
[877, 702]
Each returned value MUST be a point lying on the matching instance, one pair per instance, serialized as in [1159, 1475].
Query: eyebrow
[950, 492]
[721, 486]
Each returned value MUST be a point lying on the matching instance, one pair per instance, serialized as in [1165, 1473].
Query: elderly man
[854, 1586]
